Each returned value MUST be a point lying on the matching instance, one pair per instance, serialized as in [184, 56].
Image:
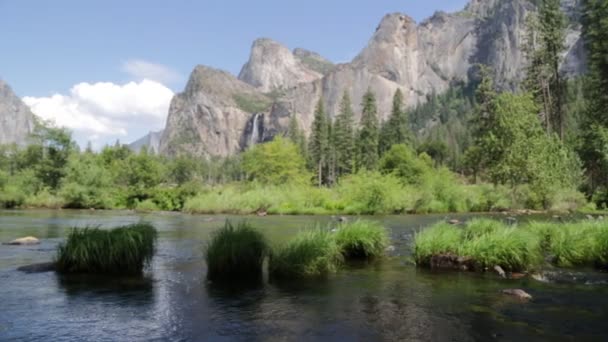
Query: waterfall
[255, 132]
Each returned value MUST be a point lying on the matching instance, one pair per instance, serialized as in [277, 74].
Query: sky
[108, 69]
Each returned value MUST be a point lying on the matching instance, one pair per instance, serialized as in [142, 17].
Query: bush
[362, 239]
[146, 206]
[312, 253]
[368, 193]
[236, 253]
[124, 250]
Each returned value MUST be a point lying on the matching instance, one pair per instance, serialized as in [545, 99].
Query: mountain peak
[272, 66]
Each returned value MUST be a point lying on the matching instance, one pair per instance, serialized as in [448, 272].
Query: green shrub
[146, 206]
[478, 227]
[236, 252]
[370, 193]
[312, 253]
[124, 250]
[362, 239]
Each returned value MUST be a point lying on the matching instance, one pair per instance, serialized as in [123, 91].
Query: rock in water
[24, 241]
[38, 268]
[517, 293]
[500, 271]
[451, 262]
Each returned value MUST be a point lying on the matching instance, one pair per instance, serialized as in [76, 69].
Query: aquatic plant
[441, 238]
[511, 248]
[312, 253]
[577, 244]
[236, 252]
[486, 243]
[362, 239]
[123, 250]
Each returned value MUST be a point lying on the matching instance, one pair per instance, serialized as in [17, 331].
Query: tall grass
[362, 240]
[236, 252]
[441, 238]
[312, 253]
[489, 243]
[124, 250]
[511, 248]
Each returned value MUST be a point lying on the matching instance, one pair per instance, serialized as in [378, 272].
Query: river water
[390, 300]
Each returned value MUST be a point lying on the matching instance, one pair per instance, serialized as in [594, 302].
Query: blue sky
[51, 47]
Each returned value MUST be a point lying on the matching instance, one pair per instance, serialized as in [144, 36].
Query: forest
[543, 146]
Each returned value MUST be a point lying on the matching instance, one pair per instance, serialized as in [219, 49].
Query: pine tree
[396, 129]
[344, 138]
[367, 144]
[295, 134]
[479, 154]
[593, 150]
[546, 42]
[319, 142]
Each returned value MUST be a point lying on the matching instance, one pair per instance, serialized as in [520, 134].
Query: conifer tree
[344, 138]
[367, 143]
[295, 134]
[319, 142]
[396, 129]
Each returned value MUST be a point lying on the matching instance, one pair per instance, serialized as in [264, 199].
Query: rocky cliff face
[16, 119]
[151, 141]
[272, 67]
[219, 115]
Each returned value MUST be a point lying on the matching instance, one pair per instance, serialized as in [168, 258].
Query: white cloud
[106, 111]
[140, 69]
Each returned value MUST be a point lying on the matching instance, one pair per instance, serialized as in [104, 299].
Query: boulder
[454, 222]
[500, 271]
[262, 213]
[24, 241]
[517, 293]
[451, 262]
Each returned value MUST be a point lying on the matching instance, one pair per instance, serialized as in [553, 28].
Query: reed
[362, 240]
[123, 250]
[236, 252]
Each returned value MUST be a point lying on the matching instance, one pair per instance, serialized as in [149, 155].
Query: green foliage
[362, 239]
[236, 253]
[53, 147]
[344, 138]
[87, 183]
[277, 162]
[311, 254]
[396, 129]
[580, 244]
[439, 239]
[124, 250]
[402, 162]
[319, 143]
[487, 243]
[368, 193]
[367, 143]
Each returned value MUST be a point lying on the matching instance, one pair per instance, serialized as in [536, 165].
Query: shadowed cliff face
[218, 114]
[16, 119]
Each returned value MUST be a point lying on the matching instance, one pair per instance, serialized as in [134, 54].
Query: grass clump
[312, 253]
[123, 250]
[236, 252]
[362, 240]
[486, 243]
[578, 244]
[441, 238]
[511, 248]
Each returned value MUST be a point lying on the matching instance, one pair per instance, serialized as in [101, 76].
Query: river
[389, 300]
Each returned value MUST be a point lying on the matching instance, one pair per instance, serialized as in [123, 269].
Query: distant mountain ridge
[219, 114]
[17, 121]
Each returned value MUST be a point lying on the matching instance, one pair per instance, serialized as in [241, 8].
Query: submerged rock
[38, 268]
[451, 262]
[500, 271]
[24, 241]
[517, 293]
